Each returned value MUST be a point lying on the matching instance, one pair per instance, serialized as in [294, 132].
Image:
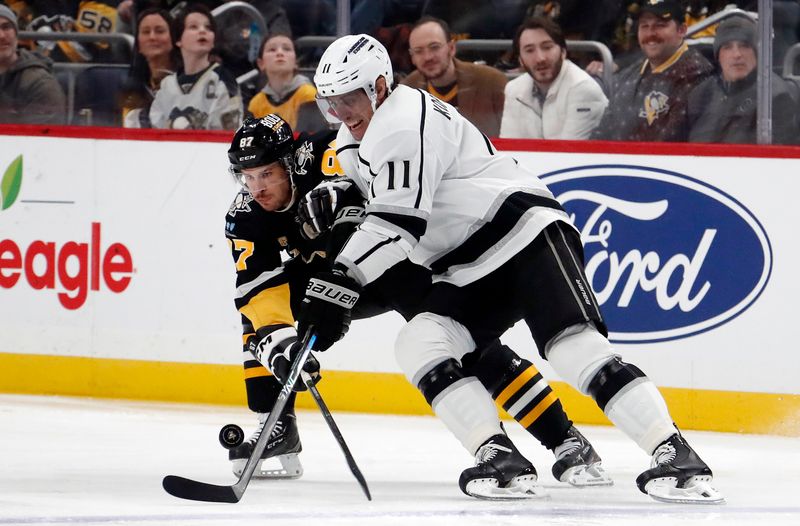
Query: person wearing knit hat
[737, 28]
[7, 13]
[29, 93]
[724, 107]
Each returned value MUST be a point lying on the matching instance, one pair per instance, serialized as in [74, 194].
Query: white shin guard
[579, 353]
[640, 412]
[468, 411]
[429, 341]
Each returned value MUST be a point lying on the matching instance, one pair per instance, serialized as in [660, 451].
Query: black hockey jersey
[270, 255]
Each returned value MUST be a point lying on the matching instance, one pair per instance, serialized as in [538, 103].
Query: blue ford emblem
[668, 256]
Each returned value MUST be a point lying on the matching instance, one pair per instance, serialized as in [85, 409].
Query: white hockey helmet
[351, 62]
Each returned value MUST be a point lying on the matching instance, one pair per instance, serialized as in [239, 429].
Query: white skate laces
[664, 454]
[488, 451]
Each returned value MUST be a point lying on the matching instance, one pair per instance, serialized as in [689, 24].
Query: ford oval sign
[668, 256]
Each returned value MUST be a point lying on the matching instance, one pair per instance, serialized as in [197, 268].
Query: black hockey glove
[318, 208]
[330, 296]
[280, 360]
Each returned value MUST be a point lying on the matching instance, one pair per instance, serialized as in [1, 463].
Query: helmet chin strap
[291, 201]
[288, 166]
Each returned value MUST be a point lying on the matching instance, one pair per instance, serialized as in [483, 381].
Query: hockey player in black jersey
[501, 249]
[274, 170]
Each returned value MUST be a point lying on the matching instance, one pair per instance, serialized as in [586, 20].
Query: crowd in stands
[189, 69]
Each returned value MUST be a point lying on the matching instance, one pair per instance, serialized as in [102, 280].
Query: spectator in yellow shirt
[286, 91]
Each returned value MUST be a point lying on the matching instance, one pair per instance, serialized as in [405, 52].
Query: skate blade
[697, 490]
[290, 468]
[587, 476]
[522, 487]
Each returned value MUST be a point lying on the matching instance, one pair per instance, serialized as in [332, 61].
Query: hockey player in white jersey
[501, 249]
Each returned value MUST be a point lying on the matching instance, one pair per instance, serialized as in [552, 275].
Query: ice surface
[82, 461]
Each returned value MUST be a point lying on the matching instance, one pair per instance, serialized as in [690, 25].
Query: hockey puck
[231, 436]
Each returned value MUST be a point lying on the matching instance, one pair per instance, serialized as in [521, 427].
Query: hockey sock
[584, 358]
[519, 388]
[462, 403]
[637, 407]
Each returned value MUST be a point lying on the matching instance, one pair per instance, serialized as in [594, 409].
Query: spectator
[476, 90]
[202, 94]
[723, 108]
[155, 57]
[29, 92]
[99, 16]
[554, 98]
[286, 90]
[650, 97]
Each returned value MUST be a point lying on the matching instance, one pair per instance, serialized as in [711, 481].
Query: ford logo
[668, 256]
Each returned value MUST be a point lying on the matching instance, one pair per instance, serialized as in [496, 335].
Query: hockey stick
[195, 490]
[336, 433]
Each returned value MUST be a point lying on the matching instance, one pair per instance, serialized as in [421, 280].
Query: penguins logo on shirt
[303, 158]
[655, 105]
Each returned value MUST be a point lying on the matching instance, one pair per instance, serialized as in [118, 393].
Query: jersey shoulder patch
[241, 204]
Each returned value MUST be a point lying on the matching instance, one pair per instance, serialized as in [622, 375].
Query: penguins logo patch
[303, 157]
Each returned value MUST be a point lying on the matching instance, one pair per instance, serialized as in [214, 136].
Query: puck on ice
[231, 436]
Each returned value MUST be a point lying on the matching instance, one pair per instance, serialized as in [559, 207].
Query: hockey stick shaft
[194, 490]
[326, 414]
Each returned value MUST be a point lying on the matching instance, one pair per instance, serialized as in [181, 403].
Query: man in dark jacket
[723, 108]
[650, 97]
[29, 93]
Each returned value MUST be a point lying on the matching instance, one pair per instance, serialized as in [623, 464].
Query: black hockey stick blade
[195, 490]
[326, 414]
[189, 489]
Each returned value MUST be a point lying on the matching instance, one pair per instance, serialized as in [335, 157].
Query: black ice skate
[678, 474]
[577, 463]
[284, 445]
[500, 472]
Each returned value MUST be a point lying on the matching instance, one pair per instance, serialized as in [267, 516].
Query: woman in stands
[286, 92]
[201, 94]
[155, 56]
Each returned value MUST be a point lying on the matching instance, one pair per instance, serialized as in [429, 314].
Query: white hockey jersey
[209, 100]
[438, 192]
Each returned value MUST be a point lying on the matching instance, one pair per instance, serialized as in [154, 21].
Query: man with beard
[476, 90]
[554, 99]
[650, 97]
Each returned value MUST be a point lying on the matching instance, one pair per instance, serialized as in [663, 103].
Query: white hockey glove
[279, 358]
[318, 208]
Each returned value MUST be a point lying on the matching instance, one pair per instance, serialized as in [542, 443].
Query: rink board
[116, 281]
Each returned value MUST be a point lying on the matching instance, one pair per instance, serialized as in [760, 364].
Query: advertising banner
[114, 249]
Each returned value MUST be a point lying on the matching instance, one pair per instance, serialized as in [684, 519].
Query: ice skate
[678, 474]
[577, 463]
[500, 473]
[283, 446]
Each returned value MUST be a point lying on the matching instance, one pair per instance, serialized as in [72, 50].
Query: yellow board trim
[739, 412]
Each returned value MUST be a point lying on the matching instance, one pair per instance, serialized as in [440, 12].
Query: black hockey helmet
[259, 142]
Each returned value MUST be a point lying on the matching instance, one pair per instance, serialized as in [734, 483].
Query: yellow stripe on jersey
[270, 307]
[537, 411]
[514, 386]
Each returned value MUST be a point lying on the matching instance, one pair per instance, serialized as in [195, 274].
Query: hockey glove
[318, 208]
[280, 359]
[330, 296]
